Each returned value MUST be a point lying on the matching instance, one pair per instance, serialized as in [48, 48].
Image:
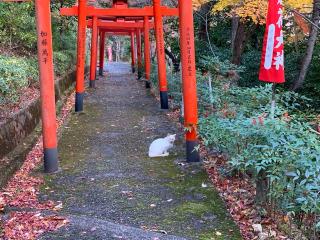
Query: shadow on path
[110, 189]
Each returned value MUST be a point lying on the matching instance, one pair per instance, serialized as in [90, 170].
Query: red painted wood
[188, 68]
[138, 35]
[122, 31]
[162, 75]
[120, 4]
[81, 49]
[126, 12]
[45, 61]
[102, 50]
[123, 25]
[133, 57]
[147, 60]
[94, 43]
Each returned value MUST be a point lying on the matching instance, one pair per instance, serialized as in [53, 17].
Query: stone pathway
[109, 187]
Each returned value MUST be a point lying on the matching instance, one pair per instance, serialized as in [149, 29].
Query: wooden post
[94, 43]
[147, 63]
[133, 57]
[189, 78]
[81, 51]
[102, 52]
[162, 71]
[138, 32]
[48, 107]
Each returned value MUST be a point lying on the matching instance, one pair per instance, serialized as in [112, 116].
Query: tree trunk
[311, 43]
[234, 27]
[239, 43]
[175, 61]
[204, 25]
[262, 189]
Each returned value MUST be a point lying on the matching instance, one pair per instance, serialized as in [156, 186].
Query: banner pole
[273, 101]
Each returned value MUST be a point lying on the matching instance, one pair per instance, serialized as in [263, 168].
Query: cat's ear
[173, 137]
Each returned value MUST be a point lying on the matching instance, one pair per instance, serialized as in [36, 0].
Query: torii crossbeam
[118, 12]
[117, 25]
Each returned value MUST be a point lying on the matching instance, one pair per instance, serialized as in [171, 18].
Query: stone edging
[19, 133]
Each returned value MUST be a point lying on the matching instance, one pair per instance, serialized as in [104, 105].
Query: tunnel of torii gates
[120, 19]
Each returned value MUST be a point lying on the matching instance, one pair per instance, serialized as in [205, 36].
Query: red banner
[272, 60]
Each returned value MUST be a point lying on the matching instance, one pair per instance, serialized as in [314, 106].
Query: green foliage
[285, 147]
[17, 26]
[218, 68]
[63, 60]
[19, 39]
[15, 74]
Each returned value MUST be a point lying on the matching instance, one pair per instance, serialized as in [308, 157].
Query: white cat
[160, 147]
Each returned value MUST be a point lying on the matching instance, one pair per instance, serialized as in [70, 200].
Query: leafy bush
[17, 26]
[63, 61]
[286, 148]
[15, 74]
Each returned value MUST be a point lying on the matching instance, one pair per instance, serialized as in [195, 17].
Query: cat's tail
[160, 155]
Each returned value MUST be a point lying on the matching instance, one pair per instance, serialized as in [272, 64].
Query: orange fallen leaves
[22, 192]
[239, 194]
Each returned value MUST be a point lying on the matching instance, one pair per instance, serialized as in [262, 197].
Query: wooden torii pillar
[133, 54]
[147, 59]
[139, 52]
[102, 52]
[162, 71]
[189, 78]
[94, 43]
[47, 95]
[81, 51]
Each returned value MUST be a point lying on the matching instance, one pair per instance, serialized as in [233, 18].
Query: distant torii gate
[133, 26]
[44, 33]
[121, 11]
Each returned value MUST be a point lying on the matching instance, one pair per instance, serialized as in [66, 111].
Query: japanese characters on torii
[272, 60]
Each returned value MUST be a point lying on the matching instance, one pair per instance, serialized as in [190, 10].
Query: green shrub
[286, 148]
[63, 60]
[15, 74]
[17, 26]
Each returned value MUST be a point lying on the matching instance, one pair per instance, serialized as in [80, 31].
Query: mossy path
[110, 189]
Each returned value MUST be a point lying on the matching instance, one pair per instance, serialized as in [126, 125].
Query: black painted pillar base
[50, 160]
[79, 102]
[148, 84]
[133, 69]
[101, 71]
[92, 83]
[192, 154]
[164, 100]
[139, 74]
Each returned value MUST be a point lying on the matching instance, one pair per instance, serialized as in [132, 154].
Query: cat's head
[171, 138]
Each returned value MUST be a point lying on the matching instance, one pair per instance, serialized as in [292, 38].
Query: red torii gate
[120, 10]
[96, 24]
[44, 34]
